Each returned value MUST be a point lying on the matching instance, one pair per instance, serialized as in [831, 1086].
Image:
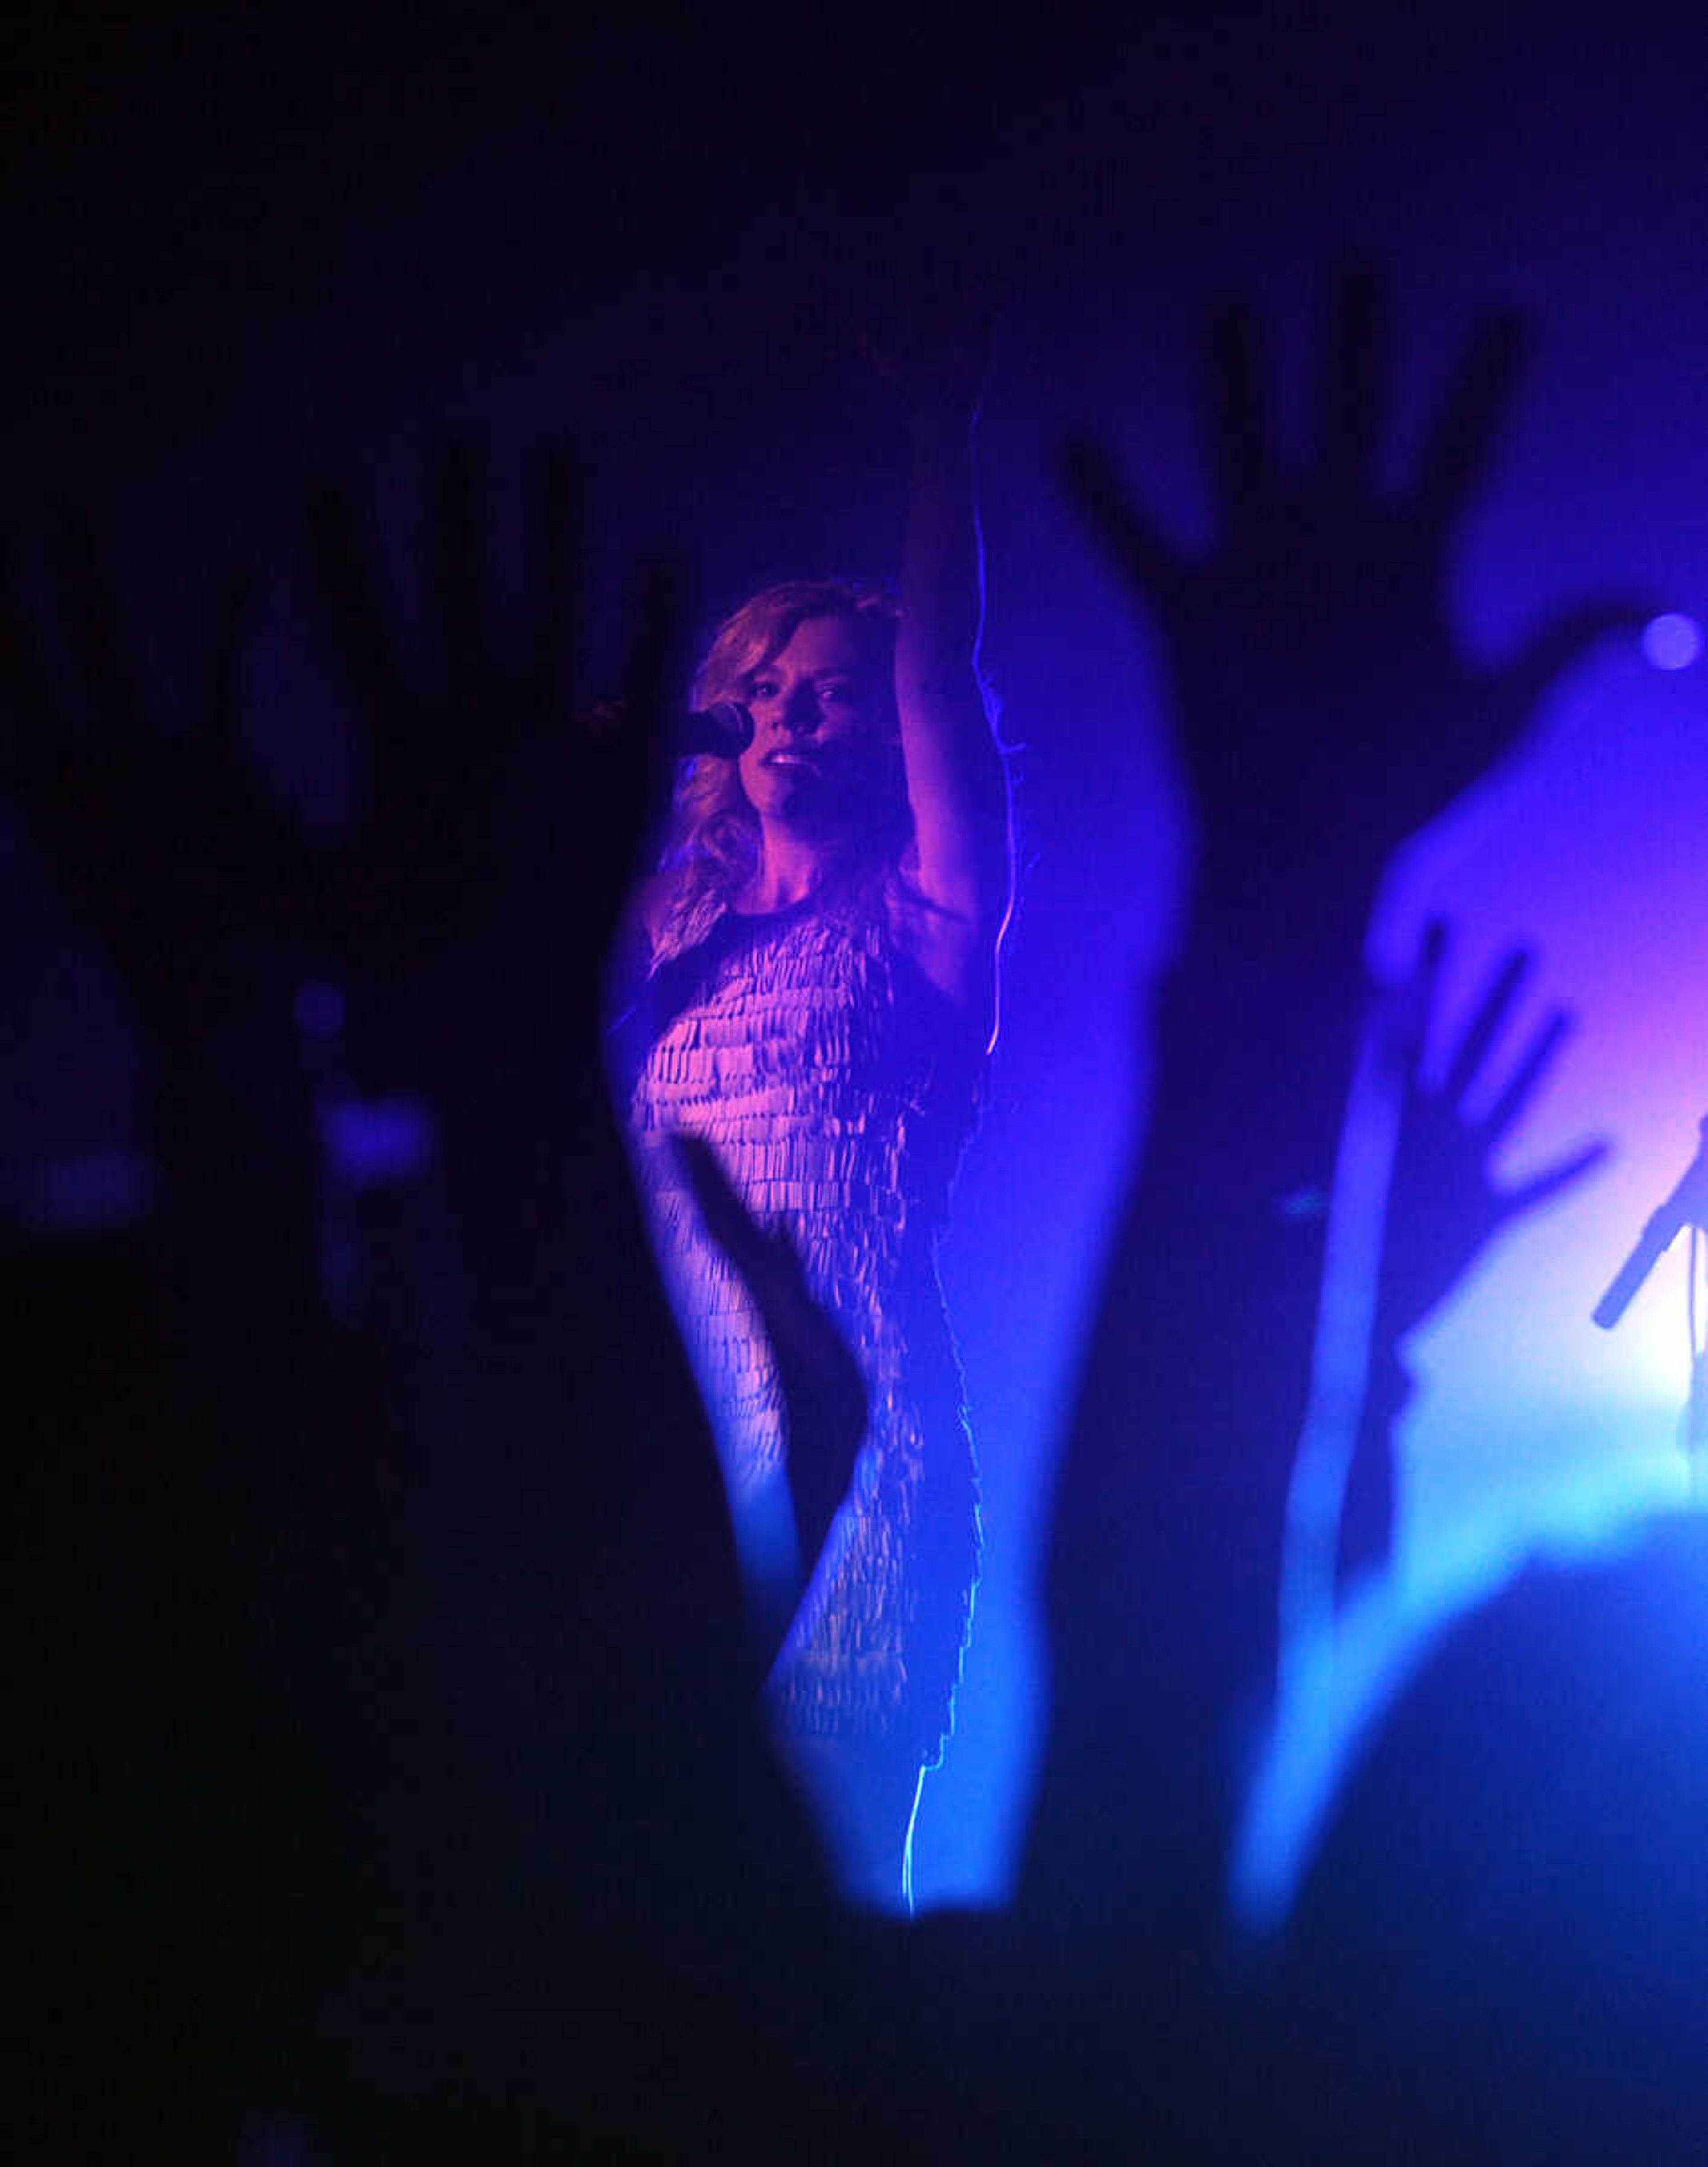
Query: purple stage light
[1672, 641]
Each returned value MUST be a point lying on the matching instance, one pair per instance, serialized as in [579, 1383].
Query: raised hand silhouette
[1445, 1206]
[493, 828]
[928, 333]
[1325, 709]
[160, 837]
[224, 1573]
[616, 1790]
[1324, 713]
[402, 1721]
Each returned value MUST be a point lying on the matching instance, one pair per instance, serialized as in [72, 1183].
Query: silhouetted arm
[824, 1391]
[1325, 714]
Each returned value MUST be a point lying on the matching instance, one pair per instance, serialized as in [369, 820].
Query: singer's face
[821, 711]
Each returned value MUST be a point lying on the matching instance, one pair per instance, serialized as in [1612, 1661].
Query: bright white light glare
[1672, 641]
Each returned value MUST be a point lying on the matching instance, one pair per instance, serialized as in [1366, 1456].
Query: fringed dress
[837, 1086]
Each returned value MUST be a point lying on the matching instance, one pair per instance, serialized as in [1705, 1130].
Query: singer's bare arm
[957, 785]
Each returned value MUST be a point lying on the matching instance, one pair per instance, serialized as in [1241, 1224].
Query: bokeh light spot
[1672, 641]
[320, 1008]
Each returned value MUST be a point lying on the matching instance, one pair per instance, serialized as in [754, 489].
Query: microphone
[724, 729]
[1687, 1205]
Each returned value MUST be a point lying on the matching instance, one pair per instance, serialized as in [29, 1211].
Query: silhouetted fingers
[1350, 418]
[1409, 1005]
[346, 595]
[1095, 487]
[1459, 446]
[457, 572]
[1549, 1183]
[755, 1254]
[768, 1261]
[811, 1349]
[1520, 686]
[89, 614]
[1239, 453]
[266, 860]
[557, 564]
[1491, 1013]
[825, 1402]
[1529, 1076]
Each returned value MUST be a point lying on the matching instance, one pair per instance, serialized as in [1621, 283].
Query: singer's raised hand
[928, 334]
[1325, 708]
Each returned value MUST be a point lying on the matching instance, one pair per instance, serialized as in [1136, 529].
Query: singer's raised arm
[957, 785]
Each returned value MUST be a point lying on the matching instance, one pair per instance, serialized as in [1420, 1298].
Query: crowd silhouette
[392, 1782]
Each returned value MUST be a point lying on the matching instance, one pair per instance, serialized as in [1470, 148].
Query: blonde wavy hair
[713, 845]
